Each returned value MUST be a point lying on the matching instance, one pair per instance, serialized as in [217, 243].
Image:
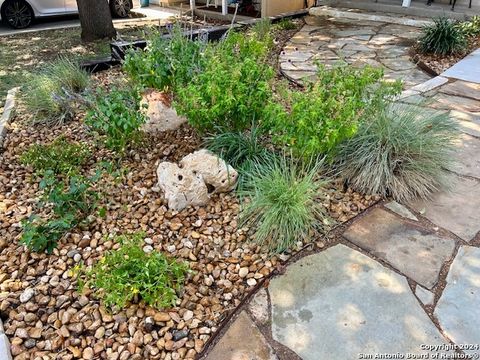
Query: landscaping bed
[100, 258]
[445, 43]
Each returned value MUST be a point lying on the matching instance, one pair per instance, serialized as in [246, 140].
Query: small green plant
[128, 273]
[167, 62]
[443, 37]
[233, 89]
[330, 109]
[401, 151]
[53, 95]
[117, 115]
[43, 234]
[284, 204]
[470, 28]
[286, 24]
[69, 204]
[239, 149]
[61, 156]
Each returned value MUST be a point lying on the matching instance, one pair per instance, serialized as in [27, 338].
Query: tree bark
[95, 19]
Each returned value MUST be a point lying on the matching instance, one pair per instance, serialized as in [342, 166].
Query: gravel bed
[44, 315]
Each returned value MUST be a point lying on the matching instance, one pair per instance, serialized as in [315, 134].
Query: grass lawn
[23, 53]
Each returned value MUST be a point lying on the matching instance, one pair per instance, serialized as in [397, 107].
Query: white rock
[160, 116]
[181, 186]
[243, 272]
[27, 295]
[251, 282]
[218, 176]
[188, 315]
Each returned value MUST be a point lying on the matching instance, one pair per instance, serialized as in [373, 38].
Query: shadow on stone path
[410, 275]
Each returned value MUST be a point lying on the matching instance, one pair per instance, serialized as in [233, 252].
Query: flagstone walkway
[358, 42]
[405, 278]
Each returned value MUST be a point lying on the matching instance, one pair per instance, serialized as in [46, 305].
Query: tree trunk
[95, 19]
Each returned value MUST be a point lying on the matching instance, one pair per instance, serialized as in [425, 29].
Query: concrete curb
[7, 112]
[328, 11]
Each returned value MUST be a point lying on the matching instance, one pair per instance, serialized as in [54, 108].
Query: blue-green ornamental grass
[401, 151]
[283, 204]
[129, 274]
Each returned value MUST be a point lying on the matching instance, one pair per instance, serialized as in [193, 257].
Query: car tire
[120, 8]
[17, 13]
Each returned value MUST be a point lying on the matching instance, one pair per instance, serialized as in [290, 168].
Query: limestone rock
[181, 186]
[160, 116]
[218, 176]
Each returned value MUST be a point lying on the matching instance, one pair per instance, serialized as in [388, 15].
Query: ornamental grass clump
[240, 149]
[443, 37]
[283, 202]
[54, 94]
[128, 274]
[403, 152]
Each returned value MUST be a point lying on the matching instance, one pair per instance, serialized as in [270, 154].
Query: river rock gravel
[45, 317]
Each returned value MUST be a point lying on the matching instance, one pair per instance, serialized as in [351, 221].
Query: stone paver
[425, 296]
[467, 157]
[242, 341]
[467, 69]
[400, 210]
[331, 41]
[456, 210]
[469, 123]
[413, 250]
[462, 88]
[458, 309]
[340, 303]
[258, 306]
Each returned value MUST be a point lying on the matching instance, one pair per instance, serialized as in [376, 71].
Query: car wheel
[120, 8]
[17, 13]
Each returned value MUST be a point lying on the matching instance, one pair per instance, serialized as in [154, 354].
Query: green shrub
[443, 37]
[329, 110]
[286, 24]
[470, 28]
[127, 273]
[117, 115]
[234, 88]
[70, 204]
[401, 152]
[52, 95]
[283, 205]
[166, 63]
[61, 156]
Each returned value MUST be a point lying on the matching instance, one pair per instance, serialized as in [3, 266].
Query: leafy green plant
[443, 37]
[128, 273]
[53, 95]
[69, 203]
[330, 109]
[401, 151]
[61, 156]
[283, 205]
[470, 28]
[286, 24]
[117, 115]
[43, 234]
[232, 90]
[167, 62]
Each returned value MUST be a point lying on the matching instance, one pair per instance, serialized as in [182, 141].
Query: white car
[19, 14]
